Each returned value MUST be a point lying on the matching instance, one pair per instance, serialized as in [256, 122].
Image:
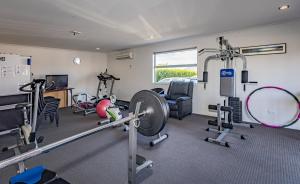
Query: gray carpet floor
[268, 156]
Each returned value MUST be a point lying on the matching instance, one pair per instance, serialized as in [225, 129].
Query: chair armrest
[163, 95]
[166, 97]
[183, 98]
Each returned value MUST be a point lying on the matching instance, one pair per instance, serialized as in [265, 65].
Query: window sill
[167, 83]
[161, 83]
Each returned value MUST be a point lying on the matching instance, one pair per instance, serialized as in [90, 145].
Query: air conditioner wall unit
[124, 54]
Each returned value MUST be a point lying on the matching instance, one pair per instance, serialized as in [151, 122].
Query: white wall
[281, 70]
[60, 61]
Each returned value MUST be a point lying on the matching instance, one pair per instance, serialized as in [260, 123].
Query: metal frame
[22, 139]
[177, 66]
[13, 106]
[225, 52]
[35, 107]
[104, 83]
[133, 169]
[21, 165]
[160, 138]
[222, 132]
[219, 140]
[5, 132]
[20, 142]
[76, 105]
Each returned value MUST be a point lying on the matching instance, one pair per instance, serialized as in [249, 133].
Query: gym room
[149, 92]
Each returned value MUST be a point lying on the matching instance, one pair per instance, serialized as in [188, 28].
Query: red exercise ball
[101, 107]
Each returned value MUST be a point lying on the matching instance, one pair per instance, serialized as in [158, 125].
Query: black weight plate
[166, 108]
[151, 123]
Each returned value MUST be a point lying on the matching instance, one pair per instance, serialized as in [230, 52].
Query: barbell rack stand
[132, 168]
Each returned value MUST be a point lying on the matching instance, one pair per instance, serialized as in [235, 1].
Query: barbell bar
[149, 102]
[49, 147]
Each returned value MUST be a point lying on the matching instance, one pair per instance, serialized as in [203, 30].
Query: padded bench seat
[37, 175]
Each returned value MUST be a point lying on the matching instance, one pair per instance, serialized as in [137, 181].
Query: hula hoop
[268, 124]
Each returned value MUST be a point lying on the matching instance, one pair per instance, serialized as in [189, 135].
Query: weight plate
[154, 121]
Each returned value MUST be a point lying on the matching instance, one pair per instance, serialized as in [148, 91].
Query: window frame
[154, 67]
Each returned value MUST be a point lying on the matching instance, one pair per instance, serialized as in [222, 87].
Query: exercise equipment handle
[32, 84]
[250, 82]
[222, 108]
[22, 88]
[104, 76]
[115, 78]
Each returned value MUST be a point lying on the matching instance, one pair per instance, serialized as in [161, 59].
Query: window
[175, 65]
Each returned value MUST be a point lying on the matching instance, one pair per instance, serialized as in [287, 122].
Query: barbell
[157, 112]
[152, 117]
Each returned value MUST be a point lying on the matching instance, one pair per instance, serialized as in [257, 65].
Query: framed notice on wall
[279, 48]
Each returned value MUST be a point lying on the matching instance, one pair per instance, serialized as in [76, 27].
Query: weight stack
[236, 104]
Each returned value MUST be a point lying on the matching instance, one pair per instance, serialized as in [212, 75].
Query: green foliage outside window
[162, 73]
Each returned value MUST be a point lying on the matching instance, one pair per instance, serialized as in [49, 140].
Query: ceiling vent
[124, 54]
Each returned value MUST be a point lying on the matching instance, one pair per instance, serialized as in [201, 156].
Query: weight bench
[37, 175]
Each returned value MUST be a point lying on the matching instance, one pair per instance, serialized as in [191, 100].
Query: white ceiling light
[97, 48]
[284, 7]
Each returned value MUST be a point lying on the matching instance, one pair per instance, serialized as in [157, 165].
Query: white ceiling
[117, 24]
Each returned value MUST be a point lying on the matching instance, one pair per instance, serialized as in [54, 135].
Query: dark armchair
[179, 98]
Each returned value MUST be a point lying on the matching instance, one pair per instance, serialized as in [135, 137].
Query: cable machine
[224, 122]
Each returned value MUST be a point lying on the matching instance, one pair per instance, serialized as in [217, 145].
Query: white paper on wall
[7, 72]
[14, 72]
